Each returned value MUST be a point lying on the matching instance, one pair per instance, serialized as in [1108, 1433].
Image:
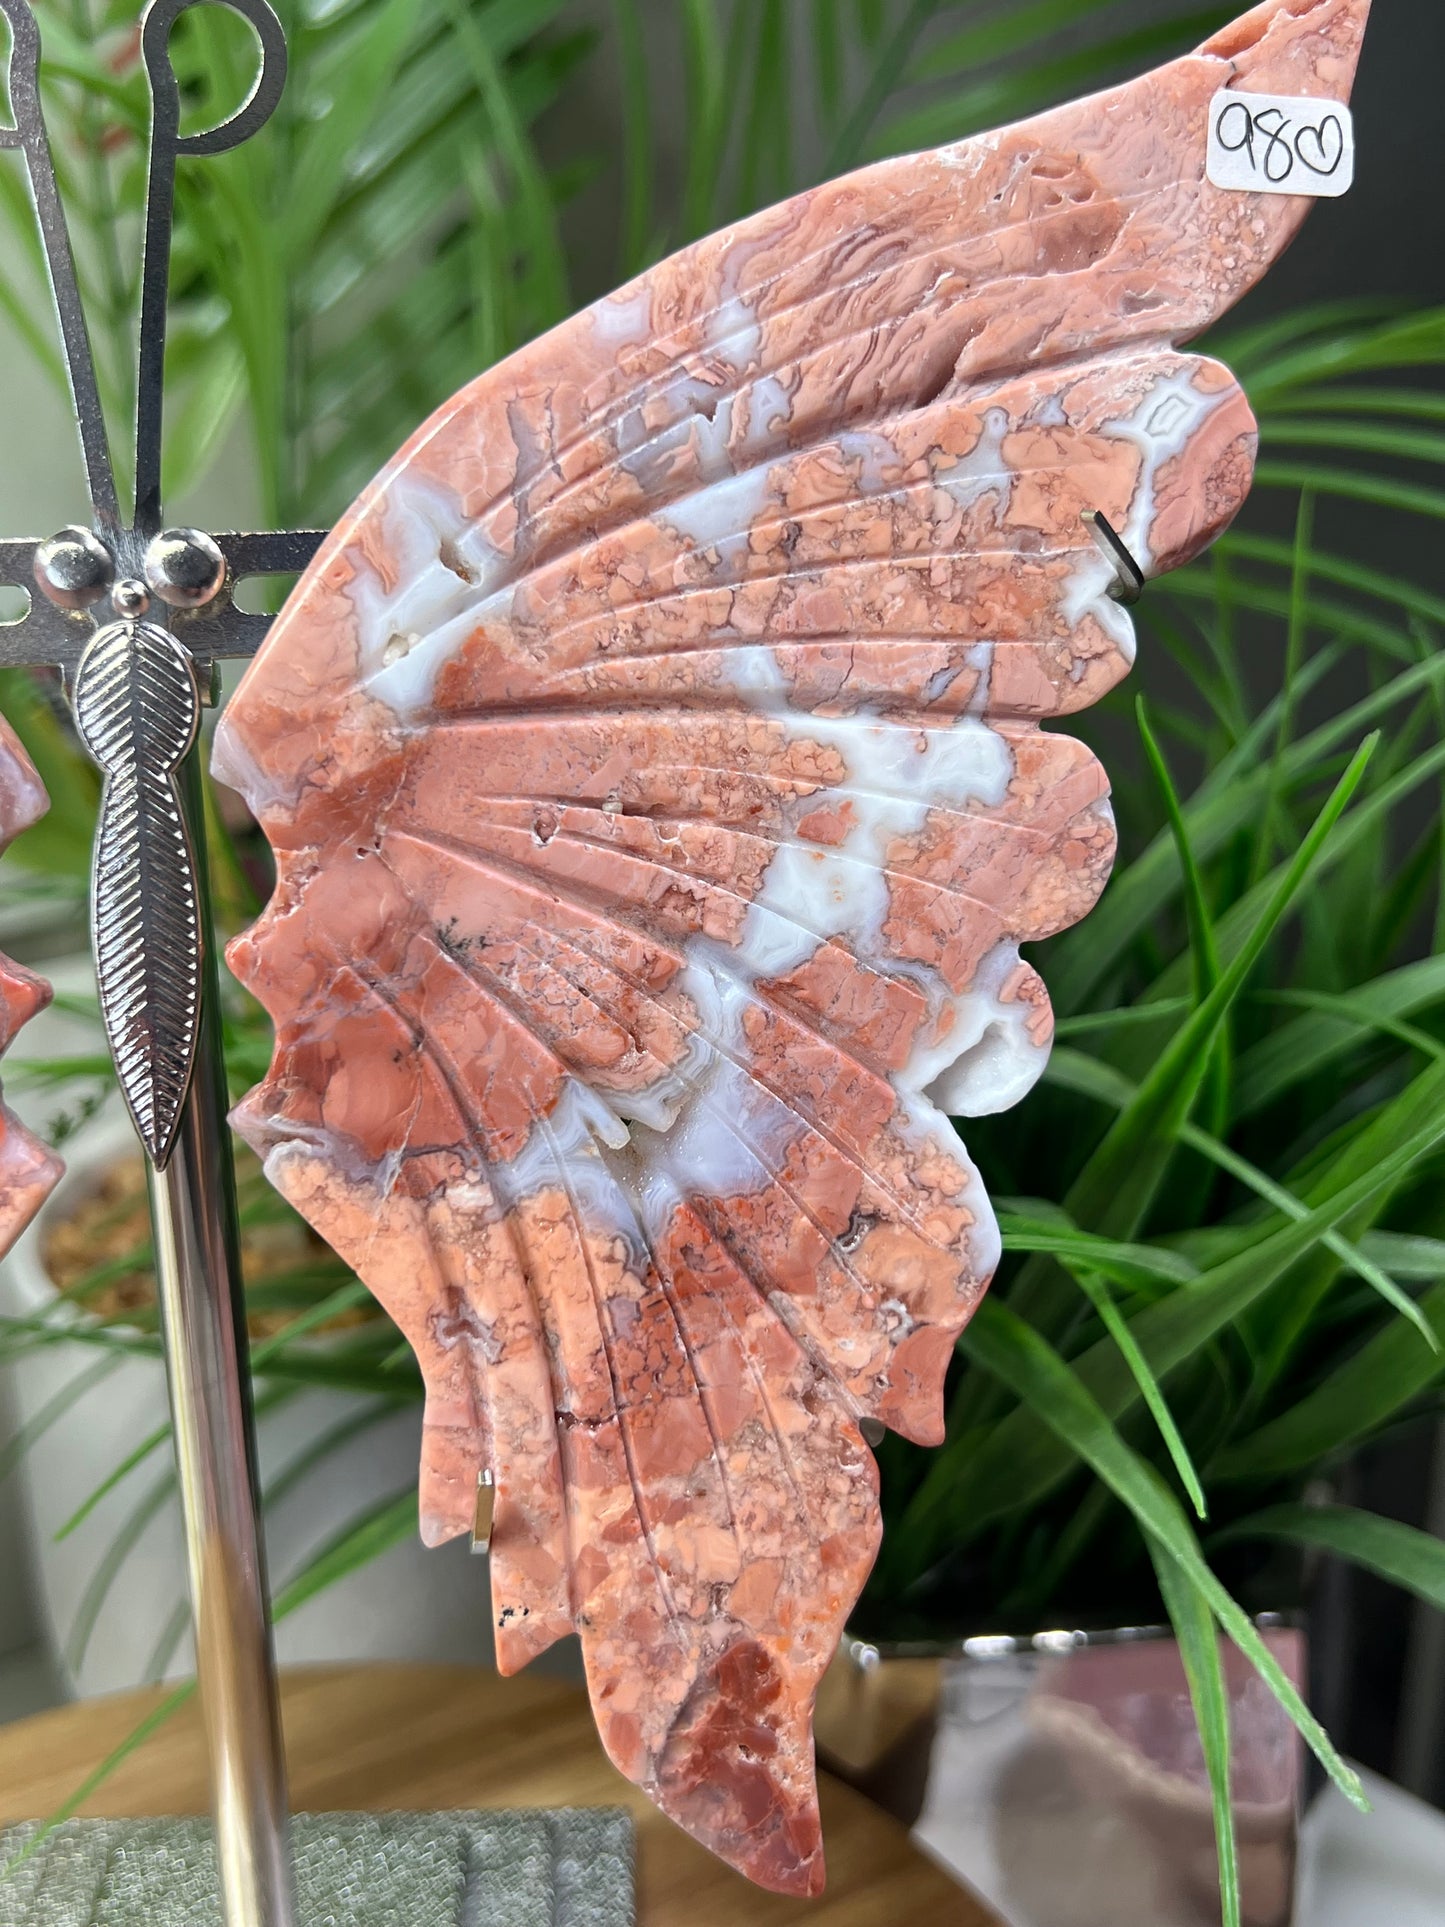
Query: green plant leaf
[1225, 803]
[1284, 1200]
[61, 841]
[1025, 86]
[1364, 823]
[1406, 1254]
[1203, 949]
[55, 1408]
[374, 1530]
[1118, 1184]
[1036, 1375]
[92, 1783]
[1092, 1079]
[1193, 1623]
[360, 69]
[1364, 1391]
[885, 69]
[210, 402]
[121, 1470]
[973, 1480]
[706, 78]
[335, 1438]
[97, 1590]
[1399, 1553]
[547, 261]
[1302, 1049]
[340, 1368]
[639, 220]
[1097, 1293]
[1134, 1265]
[130, 1531]
[828, 60]
[1355, 485]
[1321, 566]
[1359, 1154]
[364, 1538]
[1358, 1011]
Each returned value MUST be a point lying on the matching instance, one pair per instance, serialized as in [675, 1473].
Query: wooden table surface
[436, 1736]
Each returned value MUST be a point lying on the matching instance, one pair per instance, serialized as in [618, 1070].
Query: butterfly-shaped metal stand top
[136, 617]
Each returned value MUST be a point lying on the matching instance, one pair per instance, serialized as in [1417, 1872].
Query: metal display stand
[136, 617]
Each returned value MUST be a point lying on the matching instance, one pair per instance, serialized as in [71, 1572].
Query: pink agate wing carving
[28, 1168]
[654, 766]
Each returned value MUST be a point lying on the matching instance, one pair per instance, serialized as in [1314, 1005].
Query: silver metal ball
[74, 568]
[130, 597]
[185, 568]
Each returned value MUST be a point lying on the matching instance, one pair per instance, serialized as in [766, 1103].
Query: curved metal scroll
[167, 144]
[29, 136]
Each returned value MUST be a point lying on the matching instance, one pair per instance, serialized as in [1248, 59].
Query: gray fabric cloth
[571, 1867]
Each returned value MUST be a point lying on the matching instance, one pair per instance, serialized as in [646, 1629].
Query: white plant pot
[409, 1604]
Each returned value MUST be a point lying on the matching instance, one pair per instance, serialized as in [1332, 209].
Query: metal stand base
[571, 1867]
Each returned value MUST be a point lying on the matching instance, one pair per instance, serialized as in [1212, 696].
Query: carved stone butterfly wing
[28, 1169]
[654, 766]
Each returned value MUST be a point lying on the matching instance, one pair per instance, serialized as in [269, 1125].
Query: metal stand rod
[135, 688]
[193, 1203]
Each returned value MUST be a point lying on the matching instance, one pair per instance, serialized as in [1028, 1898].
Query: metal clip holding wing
[135, 615]
[1128, 586]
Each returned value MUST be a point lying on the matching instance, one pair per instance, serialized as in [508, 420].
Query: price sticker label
[1277, 144]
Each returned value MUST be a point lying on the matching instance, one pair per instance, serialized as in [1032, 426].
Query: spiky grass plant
[1224, 1220]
